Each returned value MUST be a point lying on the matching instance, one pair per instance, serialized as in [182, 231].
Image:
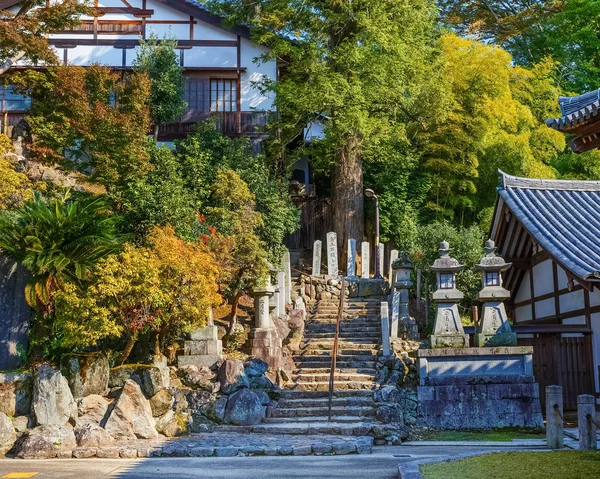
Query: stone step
[324, 402]
[361, 321]
[324, 377]
[319, 327]
[326, 364]
[323, 345]
[324, 386]
[340, 370]
[365, 355]
[338, 412]
[337, 393]
[344, 340]
[362, 428]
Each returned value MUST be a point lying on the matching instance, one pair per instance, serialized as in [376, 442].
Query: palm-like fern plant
[58, 240]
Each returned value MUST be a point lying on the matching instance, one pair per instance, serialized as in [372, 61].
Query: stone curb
[533, 443]
[411, 469]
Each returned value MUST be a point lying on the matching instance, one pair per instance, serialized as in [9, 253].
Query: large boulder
[91, 410]
[255, 367]
[198, 378]
[7, 433]
[372, 287]
[244, 409]
[15, 393]
[161, 362]
[161, 402]
[93, 436]
[151, 378]
[215, 411]
[173, 424]
[53, 403]
[232, 376]
[201, 424]
[87, 373]
[389, 413]
[393, 432]
[44, 442]
[131, 415]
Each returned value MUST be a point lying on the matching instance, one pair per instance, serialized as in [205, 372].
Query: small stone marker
[554, 422]
[385, 329]
[281, 298]
[380, 257]
[351, 266]
[586, 420]
[393, 257]
[316, 265]
[364, 259]
[287, 269]
[332, 258]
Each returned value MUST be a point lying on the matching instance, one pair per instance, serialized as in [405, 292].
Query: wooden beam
[118, 43]
[136, 12]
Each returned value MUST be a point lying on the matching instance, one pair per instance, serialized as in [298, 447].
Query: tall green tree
[368, 66]
[159, 61]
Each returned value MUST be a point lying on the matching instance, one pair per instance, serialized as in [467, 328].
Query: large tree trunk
[234, 311]
[129, 346]
[347, 196]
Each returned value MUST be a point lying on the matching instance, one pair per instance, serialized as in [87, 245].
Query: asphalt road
[382, 464]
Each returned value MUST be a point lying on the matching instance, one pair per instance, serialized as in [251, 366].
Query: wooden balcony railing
[246, 123]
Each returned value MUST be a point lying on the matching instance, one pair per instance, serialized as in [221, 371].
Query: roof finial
[444, 248]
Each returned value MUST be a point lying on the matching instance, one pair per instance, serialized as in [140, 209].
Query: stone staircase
[303, 408]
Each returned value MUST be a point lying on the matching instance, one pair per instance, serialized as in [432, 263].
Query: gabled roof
[563, 217]
[576, 110]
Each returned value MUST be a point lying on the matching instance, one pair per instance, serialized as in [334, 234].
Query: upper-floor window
[223, 95]
[12, 101]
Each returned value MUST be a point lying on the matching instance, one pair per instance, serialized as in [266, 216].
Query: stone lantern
[402, 268]
[448, 331]
[274, 299]
[265, 343]
[493, 329]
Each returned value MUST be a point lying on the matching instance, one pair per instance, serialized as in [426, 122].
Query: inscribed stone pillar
[332, 258]
[554, 422]
[586, 413]
[393, 257]
[351, 266]
[261, 307]
[380, 257]
[402, 267]
[281, 298]
[287, 269]
[316, 264]
[265, 343]
[385, 329]
[364, 259]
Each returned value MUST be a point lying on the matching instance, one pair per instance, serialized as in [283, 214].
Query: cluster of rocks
[324, 287]
[86, 409]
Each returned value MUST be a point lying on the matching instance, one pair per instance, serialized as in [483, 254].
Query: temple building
[580, 119]
[549, 230]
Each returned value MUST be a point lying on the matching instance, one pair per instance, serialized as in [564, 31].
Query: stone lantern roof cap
[445, 262]
[492, 262]
[403, 261]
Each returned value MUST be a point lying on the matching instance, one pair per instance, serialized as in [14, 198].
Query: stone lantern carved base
[266, 344]
[494, 329]
[448, 331]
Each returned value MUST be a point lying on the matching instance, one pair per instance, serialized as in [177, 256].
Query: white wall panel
[87, 55]
[179, 31]
[523, 314]
[162, 12]
[562, 278]
[595, 297]
[255, 73]
[571, 301]
[595, 323]
[543, 281]
[578, 320]
[210, 57]
[544, 308]
[524, 292]
[205, 31]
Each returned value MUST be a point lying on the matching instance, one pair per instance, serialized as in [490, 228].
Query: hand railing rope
[557, 410]
[592, 420]
[335, 344]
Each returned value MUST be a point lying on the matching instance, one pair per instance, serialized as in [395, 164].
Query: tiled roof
[563, 217]
[575, 110]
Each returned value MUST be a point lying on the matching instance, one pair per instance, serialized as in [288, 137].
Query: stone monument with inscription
[365, 261]
[448, 330]
[317, 252]
[204, 348]
[402, 326]
[494, 328]
[332, 257]
[351, 264]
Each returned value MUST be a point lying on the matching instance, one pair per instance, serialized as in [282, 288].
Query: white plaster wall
[87, 55]
[544, 308]
[315, 130]
[523, 314]
[578, 320]
[205, 31]
[595, 323]
[178, 31]
[571, 301]
[562, 278]
[210, 57]
[162, 12]
[524, 292]
[543, 280]
[595, 297]
[251, 96]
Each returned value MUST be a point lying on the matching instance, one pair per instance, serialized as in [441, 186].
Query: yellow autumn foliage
[14, 187]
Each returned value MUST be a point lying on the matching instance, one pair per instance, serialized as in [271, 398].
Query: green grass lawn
[519, 465]
[496, 435]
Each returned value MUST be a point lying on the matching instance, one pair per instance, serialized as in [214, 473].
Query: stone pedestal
[586, 421]
[554, 422]
[265, 344]
[204, 348]
[478, 388]
[403, 326]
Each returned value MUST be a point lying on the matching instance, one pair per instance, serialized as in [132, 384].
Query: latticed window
[12, 101]
[446, 281]
[223, 95]
[492, 278]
